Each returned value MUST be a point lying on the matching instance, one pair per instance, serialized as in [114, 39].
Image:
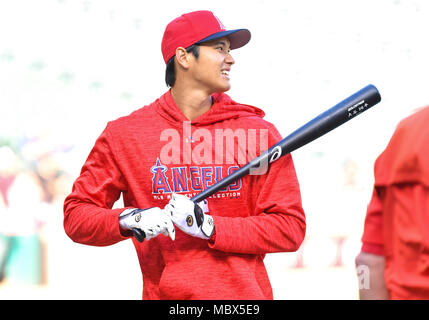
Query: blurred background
[67, 67]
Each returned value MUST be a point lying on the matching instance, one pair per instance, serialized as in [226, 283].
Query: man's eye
[222, 49]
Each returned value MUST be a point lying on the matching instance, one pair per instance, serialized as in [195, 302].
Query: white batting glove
[189, 217]
[151, 221]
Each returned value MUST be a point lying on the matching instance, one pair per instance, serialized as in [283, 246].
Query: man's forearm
[88, 224]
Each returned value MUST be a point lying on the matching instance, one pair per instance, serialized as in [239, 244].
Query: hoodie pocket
[177, 282]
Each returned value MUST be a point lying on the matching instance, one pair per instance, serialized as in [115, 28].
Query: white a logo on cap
[220, 23]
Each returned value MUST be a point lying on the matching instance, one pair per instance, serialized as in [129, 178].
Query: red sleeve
[88, 214]
[276, 219]
[372, 239]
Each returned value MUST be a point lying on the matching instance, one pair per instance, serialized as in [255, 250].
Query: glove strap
[204, 221]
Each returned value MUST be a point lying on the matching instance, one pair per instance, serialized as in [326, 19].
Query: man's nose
[229, 59]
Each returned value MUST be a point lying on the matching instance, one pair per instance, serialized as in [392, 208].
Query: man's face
[211, 69]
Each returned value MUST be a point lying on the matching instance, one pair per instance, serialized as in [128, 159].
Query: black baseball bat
[319, 126]
[332, 118]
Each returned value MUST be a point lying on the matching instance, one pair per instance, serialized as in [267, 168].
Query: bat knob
[139, 235]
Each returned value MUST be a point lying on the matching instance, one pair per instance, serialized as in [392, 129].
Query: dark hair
[170, 71]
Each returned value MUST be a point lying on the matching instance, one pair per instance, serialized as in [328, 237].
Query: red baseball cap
[198, 27]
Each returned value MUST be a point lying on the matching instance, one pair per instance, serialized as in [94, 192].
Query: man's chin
[223, 89]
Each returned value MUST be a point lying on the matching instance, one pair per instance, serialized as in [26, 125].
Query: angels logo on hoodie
[159, 180]
[192, 180]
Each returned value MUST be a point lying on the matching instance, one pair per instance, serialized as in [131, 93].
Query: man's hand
[152, 222]
[189, 217]
[370, 271]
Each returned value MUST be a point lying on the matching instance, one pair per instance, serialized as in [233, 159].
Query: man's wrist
[212, 239]
[128, 211]
[124, 220]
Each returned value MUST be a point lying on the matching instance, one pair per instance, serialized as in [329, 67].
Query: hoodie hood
[223, 108]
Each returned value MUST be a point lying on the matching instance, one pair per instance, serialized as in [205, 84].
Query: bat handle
[139, 235]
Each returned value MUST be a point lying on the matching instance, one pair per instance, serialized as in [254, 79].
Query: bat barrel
[331, 119]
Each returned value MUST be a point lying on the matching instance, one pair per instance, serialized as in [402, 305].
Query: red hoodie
[256, 215]
[397, 220]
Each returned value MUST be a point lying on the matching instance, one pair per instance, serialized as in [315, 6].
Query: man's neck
[191, 103]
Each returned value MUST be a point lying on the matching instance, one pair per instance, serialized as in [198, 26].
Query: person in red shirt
[395, 242]
[160, 155]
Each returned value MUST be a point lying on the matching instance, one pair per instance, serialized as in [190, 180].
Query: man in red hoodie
[191, 137]
[394, 260]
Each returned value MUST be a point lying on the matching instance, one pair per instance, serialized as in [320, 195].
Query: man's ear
[182, 57]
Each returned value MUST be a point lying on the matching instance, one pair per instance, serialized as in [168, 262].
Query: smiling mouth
[225, 73]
